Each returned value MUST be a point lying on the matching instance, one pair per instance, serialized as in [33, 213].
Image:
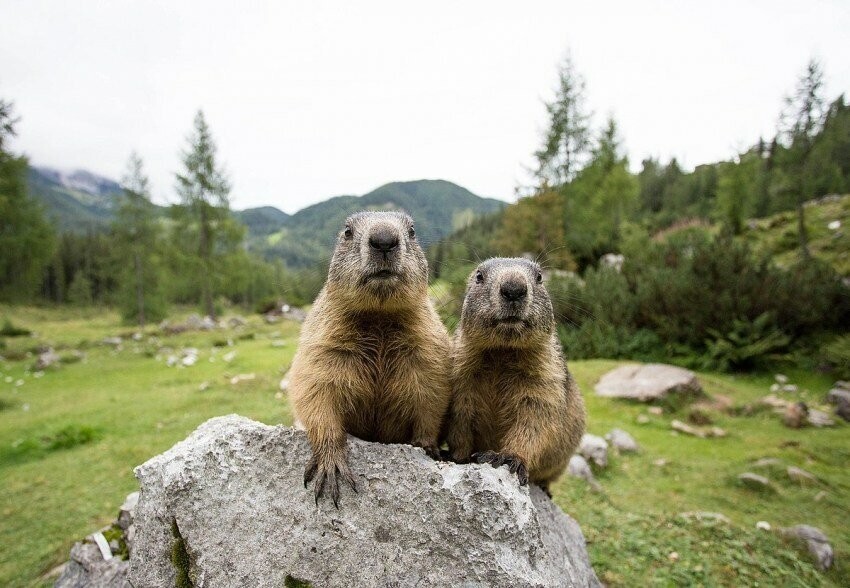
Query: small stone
[660, 462]
[820, 495]
[801, 476]
[242, 378]
[278, 343]
[767, 462]
[112, 342]
[673, 556]
[47, 359]
[702, 433]
[781, 379]
[579, 468]
[763, 526]
[138, 337]
[838, 395]
[775, 388]
[795, 415]
[816, 542]
[594, 448]
[655, 410]
[642, 419]
[843, 385]
[621, 441]
[818, 418]
[284, 383]
[278, 395]
[229, 356]
[204, 387]
[755, 481]
[834, 225]
[790, 388]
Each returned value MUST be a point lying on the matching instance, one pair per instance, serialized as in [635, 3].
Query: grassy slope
[140, 408]
[777, 235]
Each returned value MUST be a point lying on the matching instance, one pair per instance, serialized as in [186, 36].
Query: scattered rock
[816, 542]
[801, 476]
[594, 448]
[820, 495]
[774, 402]
[702, 432]
[701, 515]
[755, 481]
[843, 410]
[838, 395]
[842, 385]
[763, 526]
[235, 322]
[238, 379]
[795, 415]
[284, 383]
[781, 379]
[818, 418]
[229, 356]
[232, 496]
[112, 342]
[790, 388]
[579, 468]
[204, 386]
[621, 441]
[47, 359]
[648, 382]
[138, 337]
[660, 462]
[767, 462]
[642, 419]
[655, 410]
[833, 225]
[613, 260]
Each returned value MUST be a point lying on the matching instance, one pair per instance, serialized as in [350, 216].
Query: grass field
[70, 437]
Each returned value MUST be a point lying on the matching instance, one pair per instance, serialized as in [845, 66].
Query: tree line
[145, 261]
[689, 285]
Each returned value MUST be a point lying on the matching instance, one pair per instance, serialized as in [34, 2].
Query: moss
[293, 582]
[180, 559]
[116, 533]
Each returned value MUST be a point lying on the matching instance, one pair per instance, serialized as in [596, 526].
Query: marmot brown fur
[373, 359]
[514, 402]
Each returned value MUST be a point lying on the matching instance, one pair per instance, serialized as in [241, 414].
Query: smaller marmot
[514, 402]
[373, 359]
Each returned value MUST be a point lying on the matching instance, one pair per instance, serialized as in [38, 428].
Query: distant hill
[82, 201]
[77, 200]
[439, 208]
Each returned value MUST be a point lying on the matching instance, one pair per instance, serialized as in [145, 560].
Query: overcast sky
[309, 100]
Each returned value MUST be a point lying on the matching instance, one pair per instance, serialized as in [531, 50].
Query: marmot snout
[514, 402]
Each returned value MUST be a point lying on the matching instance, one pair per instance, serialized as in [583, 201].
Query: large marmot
[514, 402]
[373, 359]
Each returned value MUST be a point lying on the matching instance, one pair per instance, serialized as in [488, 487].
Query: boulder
[229, 506]
[815, 541]
[838, 395]
[654, 381]
[88, 569]
[594, 448]
[621, 441]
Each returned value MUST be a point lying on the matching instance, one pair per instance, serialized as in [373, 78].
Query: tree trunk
[206, 263]
[801, 228]
[140, 289]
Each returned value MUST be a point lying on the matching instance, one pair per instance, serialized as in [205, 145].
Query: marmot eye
[411, 232]
[349, 233]
[479, 277]
[539, 278]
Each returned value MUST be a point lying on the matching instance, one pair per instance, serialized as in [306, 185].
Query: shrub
[10, 330]
[748, 343]
[836, 354]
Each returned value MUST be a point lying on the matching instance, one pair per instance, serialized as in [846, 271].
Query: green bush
[746, 345]
[836, 354]
[10, 330]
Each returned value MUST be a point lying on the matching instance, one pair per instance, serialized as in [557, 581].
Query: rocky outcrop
[654, 381]
[227, 507]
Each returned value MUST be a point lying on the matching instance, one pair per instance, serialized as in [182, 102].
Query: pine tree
[567, 138]
[801, 122]
[26, 238]
[136, 229]
[204, 220]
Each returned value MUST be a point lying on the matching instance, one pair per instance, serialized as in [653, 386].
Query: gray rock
[47, 359]
[648, 382]
[838, 396]
[594, 448]
[818, 418]
[842, 385]
[815, 541]
[755, 481]
[579, 468]
[800, 475]
[621, 441]
[233, 495]
[112, 341]
[88, 569]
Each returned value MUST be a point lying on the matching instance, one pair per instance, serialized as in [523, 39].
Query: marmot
[514, 402]
[373, 358]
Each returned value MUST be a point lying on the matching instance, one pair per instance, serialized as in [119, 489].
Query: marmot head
[506, 305]
[377, 263]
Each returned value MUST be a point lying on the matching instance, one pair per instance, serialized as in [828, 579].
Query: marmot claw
[328, 473]
[515, 464]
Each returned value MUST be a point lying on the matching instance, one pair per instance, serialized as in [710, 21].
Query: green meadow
[71, 436]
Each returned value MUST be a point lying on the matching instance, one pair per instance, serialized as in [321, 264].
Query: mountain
[81, 201]
[439, 208]
[77, 200]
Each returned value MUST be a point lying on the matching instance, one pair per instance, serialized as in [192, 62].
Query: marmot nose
[513, 290]
[383, 240]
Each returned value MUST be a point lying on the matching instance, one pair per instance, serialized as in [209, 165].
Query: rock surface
[232, 495]
[579, 468]
[653, 381]
[594, 448]
[815, 541]
[621, 441]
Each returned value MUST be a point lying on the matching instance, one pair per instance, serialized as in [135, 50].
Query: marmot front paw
[515, 463]
[328, 471]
